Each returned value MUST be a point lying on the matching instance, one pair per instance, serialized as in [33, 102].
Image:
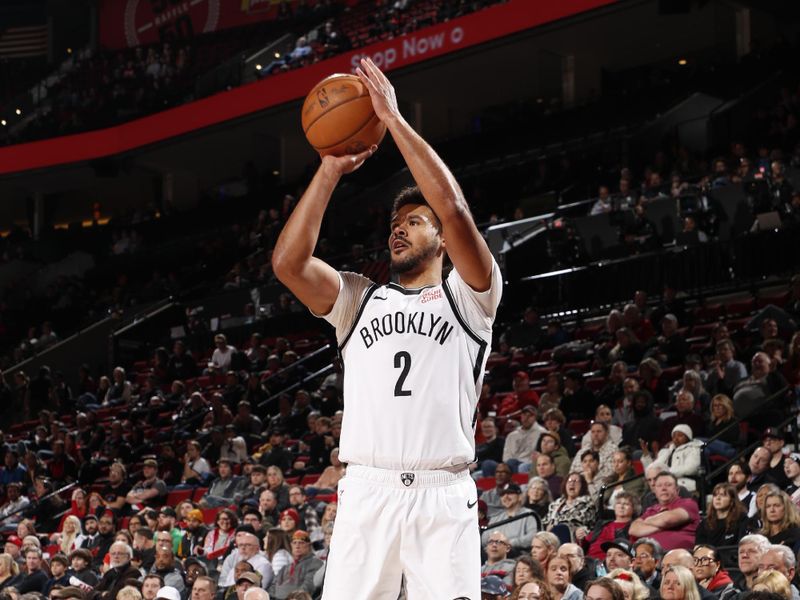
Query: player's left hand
[381, 91]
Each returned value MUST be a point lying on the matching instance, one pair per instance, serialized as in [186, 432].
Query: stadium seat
[176, 496]
[520, 478]
[579, 426]
[485, 483]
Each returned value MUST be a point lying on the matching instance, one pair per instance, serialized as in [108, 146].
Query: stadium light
[277, 55]
[3, 122]
[18, 111]
[69, 50]
[682, 62]
[258, 67]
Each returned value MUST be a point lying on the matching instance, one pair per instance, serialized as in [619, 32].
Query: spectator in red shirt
[673, 521]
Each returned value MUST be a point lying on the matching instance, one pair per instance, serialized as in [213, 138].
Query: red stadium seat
[176, 496]
[199, 493]
[485, 483]
[310, 478]
[520, 478]
[579, 426]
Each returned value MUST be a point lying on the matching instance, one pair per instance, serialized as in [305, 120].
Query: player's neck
[431, 275]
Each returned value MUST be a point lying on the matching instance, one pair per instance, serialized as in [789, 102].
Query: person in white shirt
[195, 468]
[247, 548]
[222, 355]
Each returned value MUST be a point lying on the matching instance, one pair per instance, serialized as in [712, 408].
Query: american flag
[23, 42]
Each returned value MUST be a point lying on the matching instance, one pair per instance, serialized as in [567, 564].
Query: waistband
[407, 479]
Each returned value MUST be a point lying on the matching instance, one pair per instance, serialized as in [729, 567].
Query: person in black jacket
[645, 425]
[34, 578]
[725, 524]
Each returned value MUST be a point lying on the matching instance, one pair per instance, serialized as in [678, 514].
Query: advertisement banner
[459, 34]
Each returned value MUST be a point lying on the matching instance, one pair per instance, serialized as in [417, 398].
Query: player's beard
[412, 259]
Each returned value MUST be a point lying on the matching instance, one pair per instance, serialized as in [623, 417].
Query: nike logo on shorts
[471, 504]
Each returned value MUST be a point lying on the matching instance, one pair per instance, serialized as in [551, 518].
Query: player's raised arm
[314, 282]
[464, 243]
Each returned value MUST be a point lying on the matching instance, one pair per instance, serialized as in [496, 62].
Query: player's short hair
[413, 195]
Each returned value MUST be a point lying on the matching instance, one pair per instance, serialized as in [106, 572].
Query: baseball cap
[795, 456]
[772, 432]
[14, 539]
[152, 462]
[169, 511]
[89, 517]
[168, 593]
[619, 544]
[492, 584]
[685, 430]
[251, 576]
[511, 488]
[552, 434]
[301, 535]
[529, 408]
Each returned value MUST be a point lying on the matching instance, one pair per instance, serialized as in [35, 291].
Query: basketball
[338, 118]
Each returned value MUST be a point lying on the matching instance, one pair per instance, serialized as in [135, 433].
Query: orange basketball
[338, 118]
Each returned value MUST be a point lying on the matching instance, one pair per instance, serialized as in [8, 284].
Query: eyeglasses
[643, 556]
[497, 543]
[704, 560]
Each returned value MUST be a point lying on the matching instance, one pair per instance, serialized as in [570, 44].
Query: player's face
[414, 239]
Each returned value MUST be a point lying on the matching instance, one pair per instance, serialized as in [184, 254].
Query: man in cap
[195, 534]
[299, 575]
[521, 442]
[275, 454]
[520, 532]
[493, 588]
[148, 491]
[774, 441]
[166, 522]
[168, 592]
[245, 582]
[551, 446]
[619, 554]
[12, 548]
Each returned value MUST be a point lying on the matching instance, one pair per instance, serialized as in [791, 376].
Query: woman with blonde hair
[678, 583]
[9, 569]
[129, 593]
[632, 586]
[276, 485]
[774, 582]
[721, 417]
[71, 535]
[781, 520]
[544, 547]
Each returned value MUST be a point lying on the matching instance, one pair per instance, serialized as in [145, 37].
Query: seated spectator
[309, 519]
[613, 392]
[248, 549]
[647, 555]
[630, 585]
[546, 470]
[781, 559]
[493, 588]
[627, 349]
[603, 204]
[684, 407]
[219, 539]
[672, 346]
[553, 393]
[583, 569]
[222, 355]
[645, 425]
[550, 445]
[682, 456]
[724, 372]
[623, 471]
[274, 453]
[723, 420]
[80, 562]
[603, 414]
[544, 547]
[751, 549]
[578, 401]
[536, 588]
[590, 467]
[224, 488]
[70, 537]
[120, 391]
[710, 574]
[181, 364]
[11, 512]
[750, 393]
[774, 583]
[33, 578]
[525, 570]
[276, 484]
[196, 470]
[773, 440]
[692, 382]
[538, 496]
[555, 421]
[519, 533]
[525, 335]
[521, 442]
[120, 572]
[497, 561]
[601, 442]
[559, 577]
[619, 554]
[575, 508]
[673, 520]
[626, 508]
[726, 521]
[678, 583]
[300, 574]
[144, 543]
[165, 567]
[738, 476]
[490, 449]
[781, 520]
[278, 549]
[148, 491]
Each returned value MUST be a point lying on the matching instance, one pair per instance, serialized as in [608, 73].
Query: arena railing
[519, 517]
[324, 371]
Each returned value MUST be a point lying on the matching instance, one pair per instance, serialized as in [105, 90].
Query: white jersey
[413, 367]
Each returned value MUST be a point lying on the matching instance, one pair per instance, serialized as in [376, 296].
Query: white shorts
[421, 525]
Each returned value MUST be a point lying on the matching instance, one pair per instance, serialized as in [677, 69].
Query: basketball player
[414, 354]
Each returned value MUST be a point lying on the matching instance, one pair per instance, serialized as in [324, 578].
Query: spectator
[222, 355]
[493, 588]
[630, 585]
[300, 574]
[613, 392]
[626, 508]
[33, 578]
[538, 496]
[590, 467]
[309, 519]
[583, 569]
[530, 590]
[726, 521]
[275, 483]
[164, 566]
[120, 572]
[751, 549]
[684, 407]
[521, 442]
[647, 555]
[672, 346]
[247, 549]
[497, 561]
[623, 471]
[645, 425]
[722, 421]
[224, 488]
[519, 533]
[603, 204]
[725, 371]
[710, 574]
[779, 558]
[628, 348]
[601, 443]
[773, 440]
[525, 570]
[673, 521]
[759, 468]
[579, 401]
[181, 364]
[559, 576]
[681, 456]
[750, 394]
[554, 420]
[678, 583]
[204, 588]
[219, 539]
[552, 395]
[781, 520]
[546, 470]
[544, 547]
[773, 583]
[144, 544]
[491, 449]
[196, 469]
[603, 414]
[11, 512]
[275, 453]
[150, 490]
[575, 508]
[278, 549]
[619, 554]
[527, 334]
[550, 445]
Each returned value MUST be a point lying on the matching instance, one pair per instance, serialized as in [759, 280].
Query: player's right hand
[342, 165]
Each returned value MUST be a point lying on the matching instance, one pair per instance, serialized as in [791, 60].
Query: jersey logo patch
[430, 295]
[407, 478]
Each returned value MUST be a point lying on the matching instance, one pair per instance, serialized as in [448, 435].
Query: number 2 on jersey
[402, 360]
